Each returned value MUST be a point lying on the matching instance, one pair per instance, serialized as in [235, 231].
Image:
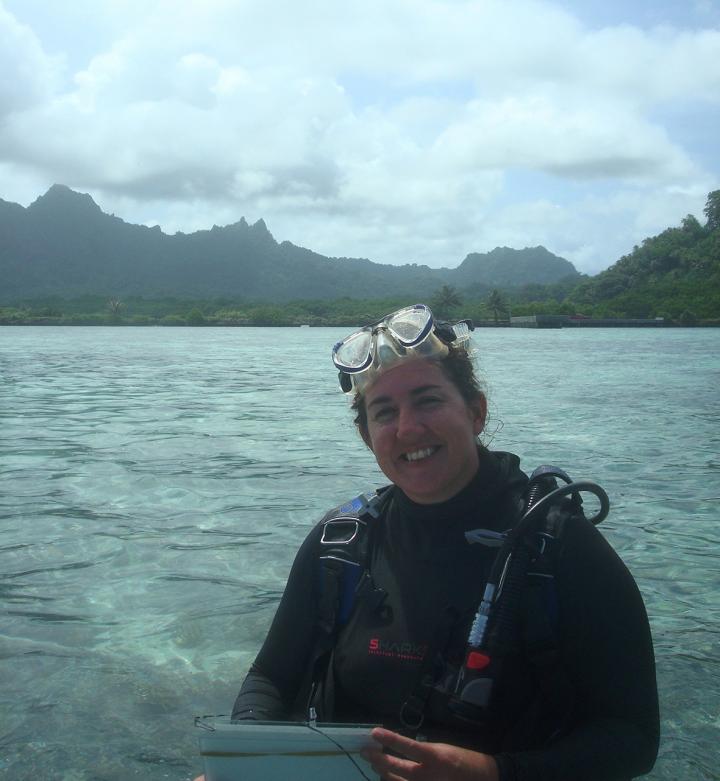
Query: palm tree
[115, 305]
[444, 301]
[497, 304]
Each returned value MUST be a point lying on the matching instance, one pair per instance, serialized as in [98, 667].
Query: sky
[403, 131]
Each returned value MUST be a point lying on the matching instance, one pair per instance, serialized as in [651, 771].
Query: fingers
[400, 744]
[419, 761]
[396, 768]
[391, 768]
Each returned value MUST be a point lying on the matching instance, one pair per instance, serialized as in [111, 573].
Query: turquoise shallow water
[157, 482]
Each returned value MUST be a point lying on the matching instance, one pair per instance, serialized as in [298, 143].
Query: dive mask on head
[411, 332]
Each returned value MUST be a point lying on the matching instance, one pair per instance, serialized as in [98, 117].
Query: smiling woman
[422, 432]
[492, 661]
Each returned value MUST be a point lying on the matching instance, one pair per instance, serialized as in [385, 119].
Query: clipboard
[282, 750]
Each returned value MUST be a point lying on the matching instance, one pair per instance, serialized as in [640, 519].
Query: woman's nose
[408, 422]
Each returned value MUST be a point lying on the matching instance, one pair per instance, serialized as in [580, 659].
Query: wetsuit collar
[498, 473]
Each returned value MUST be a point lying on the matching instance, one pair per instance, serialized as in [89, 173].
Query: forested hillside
[675, 275]
[63, 245]
[675, 272]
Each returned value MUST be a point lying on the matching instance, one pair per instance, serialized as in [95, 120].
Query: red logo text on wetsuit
[409, 652]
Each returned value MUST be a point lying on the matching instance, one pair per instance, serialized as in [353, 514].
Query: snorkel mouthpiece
[409, 333]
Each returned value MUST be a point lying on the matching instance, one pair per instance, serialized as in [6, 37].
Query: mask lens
[410, 326]
[353, 353]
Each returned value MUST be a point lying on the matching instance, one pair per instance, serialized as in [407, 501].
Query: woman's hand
[427, 761]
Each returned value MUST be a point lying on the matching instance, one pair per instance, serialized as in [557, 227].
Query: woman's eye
[383, 414]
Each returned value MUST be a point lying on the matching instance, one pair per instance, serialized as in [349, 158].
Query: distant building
[581, 321]
[539, 321]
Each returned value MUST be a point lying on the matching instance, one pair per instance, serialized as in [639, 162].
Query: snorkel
[409, 333]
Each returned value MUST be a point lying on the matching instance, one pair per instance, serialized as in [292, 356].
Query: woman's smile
[422, 431]
[419, 455]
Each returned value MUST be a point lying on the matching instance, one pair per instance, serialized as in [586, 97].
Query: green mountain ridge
[64, 245]
[74, 261]
[672, 274]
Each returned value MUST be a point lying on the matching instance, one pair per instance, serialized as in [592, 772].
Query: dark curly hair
[457, 366]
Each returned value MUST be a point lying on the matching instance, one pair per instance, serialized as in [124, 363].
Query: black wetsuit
[594, 715]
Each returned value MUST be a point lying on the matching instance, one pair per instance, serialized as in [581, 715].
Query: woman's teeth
[417, 455]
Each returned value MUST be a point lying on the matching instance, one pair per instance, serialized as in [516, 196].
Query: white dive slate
[279, 751]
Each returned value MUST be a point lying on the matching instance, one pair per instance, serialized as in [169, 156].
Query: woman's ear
[478, 409]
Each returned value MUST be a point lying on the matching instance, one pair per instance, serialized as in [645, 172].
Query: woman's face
[422, 431]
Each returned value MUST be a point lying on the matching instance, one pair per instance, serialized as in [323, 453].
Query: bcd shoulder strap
[344, 550]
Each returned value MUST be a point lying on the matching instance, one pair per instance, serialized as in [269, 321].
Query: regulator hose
[492, 633]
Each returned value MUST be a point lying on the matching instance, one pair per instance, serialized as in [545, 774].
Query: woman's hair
[457, 366]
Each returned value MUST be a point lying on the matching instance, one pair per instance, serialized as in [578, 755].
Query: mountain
[503, 267]
[675, 274]
[63, 244]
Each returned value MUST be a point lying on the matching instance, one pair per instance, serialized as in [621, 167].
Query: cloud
[29, 75]
[651, 67]
[383, 129]
[579, 141]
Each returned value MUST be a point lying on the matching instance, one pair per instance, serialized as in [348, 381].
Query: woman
[572, 698]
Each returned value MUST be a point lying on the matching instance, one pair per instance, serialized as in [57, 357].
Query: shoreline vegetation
[498, 310]
[671, 279]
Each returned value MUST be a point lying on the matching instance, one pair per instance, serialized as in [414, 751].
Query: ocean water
[156, 483]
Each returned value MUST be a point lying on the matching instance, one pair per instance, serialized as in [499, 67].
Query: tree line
[170, 311]
[675, 275]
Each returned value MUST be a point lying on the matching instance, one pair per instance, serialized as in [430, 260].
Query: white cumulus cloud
[396, 130]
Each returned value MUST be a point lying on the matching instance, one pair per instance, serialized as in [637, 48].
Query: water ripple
[158, 483]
